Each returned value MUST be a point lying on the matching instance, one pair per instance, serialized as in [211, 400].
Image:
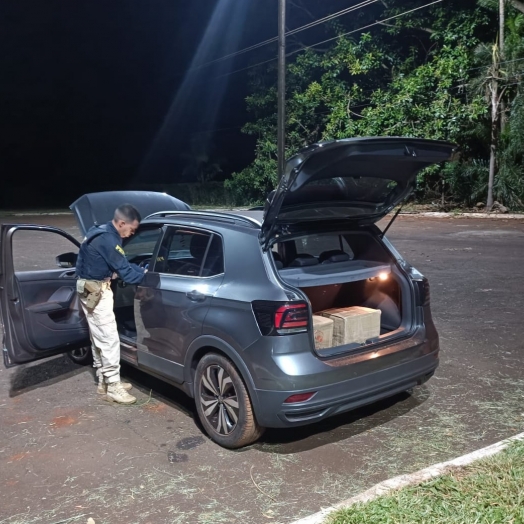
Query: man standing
[101, 256]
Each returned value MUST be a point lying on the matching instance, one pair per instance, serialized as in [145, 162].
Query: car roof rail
[222, 217]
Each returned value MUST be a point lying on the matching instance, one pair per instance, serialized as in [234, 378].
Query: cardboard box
[322, 332]
[354, 324]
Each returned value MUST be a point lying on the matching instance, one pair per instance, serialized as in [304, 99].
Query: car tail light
[423, 291]
[281, 318]
[299, 397]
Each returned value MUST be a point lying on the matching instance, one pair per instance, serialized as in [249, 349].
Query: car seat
[304, 260]
[197, 249]
[278, 260]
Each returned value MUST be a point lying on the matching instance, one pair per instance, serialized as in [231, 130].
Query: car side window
[46, 244]
[183, 252]
[140, 247]
[214, 263]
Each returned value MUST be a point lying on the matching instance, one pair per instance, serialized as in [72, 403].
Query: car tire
[81, 356]
[223, 403]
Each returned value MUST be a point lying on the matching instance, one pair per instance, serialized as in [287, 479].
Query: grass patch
[487, 491]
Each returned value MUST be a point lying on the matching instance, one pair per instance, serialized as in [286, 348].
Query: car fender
[223, 347]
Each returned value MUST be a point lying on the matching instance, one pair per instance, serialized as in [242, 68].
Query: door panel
[174, 298]
[40, 309]
[172, 315]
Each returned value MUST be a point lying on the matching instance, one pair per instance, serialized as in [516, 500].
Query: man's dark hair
[128, 213]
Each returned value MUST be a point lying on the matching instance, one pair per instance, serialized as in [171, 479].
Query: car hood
[99, 208]
[355, 179]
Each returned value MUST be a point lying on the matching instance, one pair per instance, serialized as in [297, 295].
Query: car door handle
[195, 296]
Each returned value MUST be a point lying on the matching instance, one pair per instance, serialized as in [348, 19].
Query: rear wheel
[223, 403]
[81, 356]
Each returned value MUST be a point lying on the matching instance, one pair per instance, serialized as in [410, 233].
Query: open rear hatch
[312, 223]
[358, 180]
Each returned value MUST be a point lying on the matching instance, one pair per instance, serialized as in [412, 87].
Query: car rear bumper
[345, 395]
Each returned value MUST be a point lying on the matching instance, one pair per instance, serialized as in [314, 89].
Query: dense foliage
[426, 73]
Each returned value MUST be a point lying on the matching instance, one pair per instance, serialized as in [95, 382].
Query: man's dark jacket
[101, 254]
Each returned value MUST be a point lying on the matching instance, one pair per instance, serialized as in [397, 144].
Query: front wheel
[81, 356]
[223, 403]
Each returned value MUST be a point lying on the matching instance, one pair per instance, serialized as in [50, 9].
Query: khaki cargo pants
[103, 331]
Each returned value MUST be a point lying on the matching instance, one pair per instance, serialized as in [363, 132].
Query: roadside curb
[50, 213]
[402, 481]
[438, 214]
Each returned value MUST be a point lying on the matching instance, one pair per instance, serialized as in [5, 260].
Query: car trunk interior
[347, 270]
[371, 293]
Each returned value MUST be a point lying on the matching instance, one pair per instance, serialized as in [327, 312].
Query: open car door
[41, 314]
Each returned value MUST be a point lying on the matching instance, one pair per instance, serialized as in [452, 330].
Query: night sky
[99, 94]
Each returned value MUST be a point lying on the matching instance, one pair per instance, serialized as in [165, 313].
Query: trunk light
[299, 397]
[383, 276]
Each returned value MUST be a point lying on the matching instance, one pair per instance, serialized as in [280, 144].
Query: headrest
[278, 260]
[335, 255]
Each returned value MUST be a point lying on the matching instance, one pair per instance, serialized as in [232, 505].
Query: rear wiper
[391, 222]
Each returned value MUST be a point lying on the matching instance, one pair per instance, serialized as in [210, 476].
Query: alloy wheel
[219, 400]
[80, 353]
[81, 356]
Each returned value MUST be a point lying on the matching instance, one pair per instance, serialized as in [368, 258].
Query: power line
[367, 26]
[500, 63]
[248, 67]
[331, 17]
[288, 33]
[334, 38]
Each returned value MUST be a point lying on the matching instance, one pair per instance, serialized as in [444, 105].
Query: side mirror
[66, 260]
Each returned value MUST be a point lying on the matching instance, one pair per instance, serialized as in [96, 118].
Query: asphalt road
[65, 454]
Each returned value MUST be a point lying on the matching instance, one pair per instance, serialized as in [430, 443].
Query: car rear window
[359, 188]
[318, 244]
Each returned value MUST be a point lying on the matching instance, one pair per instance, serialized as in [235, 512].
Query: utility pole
[281, 122]
[495, 106]
[502, 23]
[497, 103]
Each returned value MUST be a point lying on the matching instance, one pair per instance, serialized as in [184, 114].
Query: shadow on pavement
[32, 376]
[340, 427]
[290, 440]
[161, 390]
[280, 441]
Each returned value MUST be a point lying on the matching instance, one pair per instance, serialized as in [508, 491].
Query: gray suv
[239, 309]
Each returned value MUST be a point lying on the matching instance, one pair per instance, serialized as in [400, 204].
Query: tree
[406, 77]
[499, 78]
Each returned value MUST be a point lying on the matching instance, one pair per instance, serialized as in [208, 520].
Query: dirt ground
[65, 455]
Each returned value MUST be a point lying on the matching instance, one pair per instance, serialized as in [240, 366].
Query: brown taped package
[323, 332]
[354, 324]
